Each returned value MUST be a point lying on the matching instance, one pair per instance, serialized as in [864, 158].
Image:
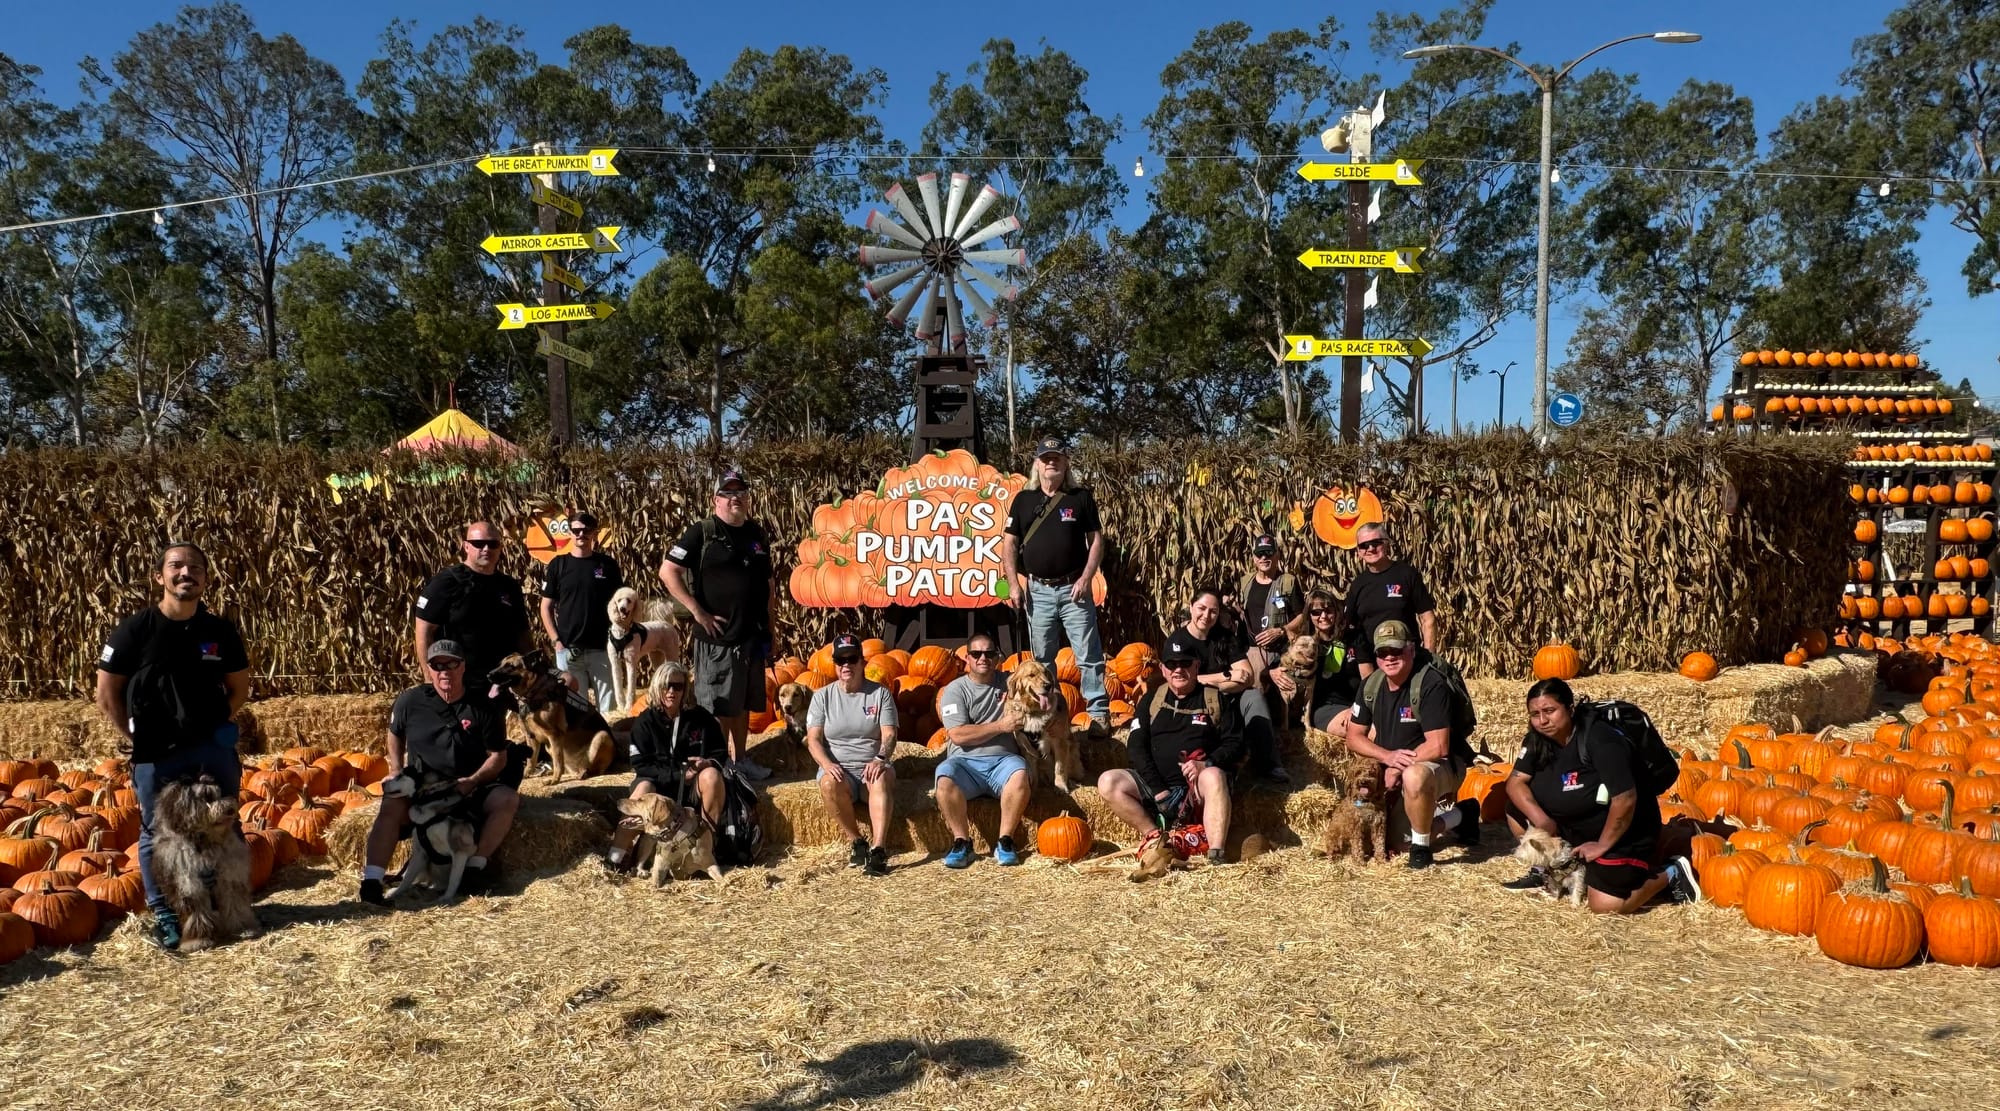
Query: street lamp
[1547, 83]
[1500, 412]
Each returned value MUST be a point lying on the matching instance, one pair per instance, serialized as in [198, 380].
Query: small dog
[1300, 660]
[202, 864]
[674, 840]
[1359, 826]
[794, 700]
[1562, 869]
[1035, 699]
[573, 733]
[443, 841]
[639, 641]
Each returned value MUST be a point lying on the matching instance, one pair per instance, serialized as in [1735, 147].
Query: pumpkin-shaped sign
[1339, 514]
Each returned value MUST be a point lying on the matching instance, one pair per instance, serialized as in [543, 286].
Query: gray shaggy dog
[202, 865]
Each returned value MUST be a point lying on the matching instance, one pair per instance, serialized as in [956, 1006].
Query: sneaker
[1005, 854]
[960, 855]
[751, 769]
[1468, 823]
[878, 862]
[1420, 857]
[1535, 880]
[1217, 855]
[857, 853]
[1681, 885]
[371, 893]
[1276, 773]
[166, 931]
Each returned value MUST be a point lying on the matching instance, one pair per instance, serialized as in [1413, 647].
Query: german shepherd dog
[573, 734]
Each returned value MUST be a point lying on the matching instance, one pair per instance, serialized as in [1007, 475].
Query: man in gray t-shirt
[851, 733]
[983, 759]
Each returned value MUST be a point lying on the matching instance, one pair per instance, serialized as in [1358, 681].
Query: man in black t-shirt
[1406, 726]
[1052, 549]
[448, 726]
[576, 590]
[472, 604]
[1185, 740]
[720, 571]
[170, 681]
[1387, 589]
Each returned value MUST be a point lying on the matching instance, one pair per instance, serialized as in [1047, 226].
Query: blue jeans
[217, 759]
[1050, 608]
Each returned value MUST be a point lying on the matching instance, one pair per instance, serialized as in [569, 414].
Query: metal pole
[1542, 262]
[1357, 290]
[1500, 413]
[561, 431]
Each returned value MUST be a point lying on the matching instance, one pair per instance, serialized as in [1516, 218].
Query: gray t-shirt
[853, 722]
[966, 701]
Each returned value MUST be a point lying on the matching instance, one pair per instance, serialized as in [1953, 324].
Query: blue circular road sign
[1565, 409]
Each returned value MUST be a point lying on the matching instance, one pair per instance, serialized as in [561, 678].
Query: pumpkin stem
[1879, 875]
[1742, 756]
[1949, 794]
[1805, 836]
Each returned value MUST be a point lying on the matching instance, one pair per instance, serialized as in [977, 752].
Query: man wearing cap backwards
[1421, 760]
[851, 734]
[1053, 547]
[1184, 739]
[1387, 589]
[577, 587]
[450, 726]
[983, 758]
[475, 606]
[720, 572]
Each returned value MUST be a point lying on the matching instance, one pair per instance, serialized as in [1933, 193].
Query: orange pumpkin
[1699, 666]
[1064, 837]
[1557, 661]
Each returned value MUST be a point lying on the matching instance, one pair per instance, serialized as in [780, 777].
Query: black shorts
[1620, 872]
[517, 767]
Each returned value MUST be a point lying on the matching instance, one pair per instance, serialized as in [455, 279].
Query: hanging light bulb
[711, 163]
[1555, 175]
[1883, 191]
[159, 219]
[1139, 167]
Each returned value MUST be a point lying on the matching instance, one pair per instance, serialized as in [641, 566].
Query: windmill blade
[926, 327]
[955, 198]
[1004, 289]
[879, 288]
[966, 289]
[993, 230]
[900, 311]
[885, 225]
[871, 256]
[1005, 256]
[896, 196]
[987, 195]
[927, 187]
[954, 325]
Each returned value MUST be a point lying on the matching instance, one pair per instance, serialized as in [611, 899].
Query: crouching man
[445, 728]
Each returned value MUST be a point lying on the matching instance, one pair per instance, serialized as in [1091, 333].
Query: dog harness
[636, 632]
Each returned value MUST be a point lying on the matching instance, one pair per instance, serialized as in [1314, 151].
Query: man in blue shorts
[983, 759]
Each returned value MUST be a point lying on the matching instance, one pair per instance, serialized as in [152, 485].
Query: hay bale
[550, 835]
[359, 722]
[47, 730]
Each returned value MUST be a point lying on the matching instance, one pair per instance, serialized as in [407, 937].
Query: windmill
[934, 255]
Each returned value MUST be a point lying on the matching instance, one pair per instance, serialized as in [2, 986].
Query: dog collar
[1361, 804]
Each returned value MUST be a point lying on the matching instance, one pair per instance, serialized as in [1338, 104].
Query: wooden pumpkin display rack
[1913, 477]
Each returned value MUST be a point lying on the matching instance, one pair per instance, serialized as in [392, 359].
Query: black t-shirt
[731, 577]
[1337, 682]
[1400, 726]
[582, 587]
[485, 614]
[1219, 650]
[1395, 593]
[1578, 794]
[449, 737]
[659, 750]
[174, 694]
[1061, 547]
[1183, 727]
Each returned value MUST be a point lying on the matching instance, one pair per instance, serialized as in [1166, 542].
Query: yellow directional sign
[604, 241]
[1298, 349]
[542, 194]
[552, 272]
[596, 162]
[1401, 171]
[549, 345]
[1403, 260]
[520, 316]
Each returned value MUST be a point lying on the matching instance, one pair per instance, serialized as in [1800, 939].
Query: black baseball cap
[1265, 544]
[1179, 649]
[582, 519]
[846, 647]
[1054, 445]
[731, 481]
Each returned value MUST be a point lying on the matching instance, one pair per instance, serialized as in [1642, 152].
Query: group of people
[172, 677]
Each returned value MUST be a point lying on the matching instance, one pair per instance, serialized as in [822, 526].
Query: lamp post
[1500, 412]
[1547, 83]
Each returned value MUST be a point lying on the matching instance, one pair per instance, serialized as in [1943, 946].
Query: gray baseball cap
[443, 648]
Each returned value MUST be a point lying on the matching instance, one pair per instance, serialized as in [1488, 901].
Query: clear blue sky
[1778, 54]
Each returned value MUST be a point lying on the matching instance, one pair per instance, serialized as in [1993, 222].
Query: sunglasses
[845, 663]
[732, 495]
[482, 545]
[677, 688]
[1403, 651]
[981, 653]
[1176, 665]
[1321, 612]
[1367, 544]
[448, 665]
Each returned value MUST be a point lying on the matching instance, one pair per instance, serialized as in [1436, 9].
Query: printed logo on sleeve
[104, 657]
[948, 708]
[422, 601]
[677, 552]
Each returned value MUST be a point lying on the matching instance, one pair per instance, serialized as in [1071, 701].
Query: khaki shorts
[1446, 776]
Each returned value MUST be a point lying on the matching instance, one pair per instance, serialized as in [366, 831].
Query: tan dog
[1300, 658]
[202, 864]
[1359, 825]
[573, 734]
[674, 840]
[1036, 700]
[794, 699]
[642, 637]
[1562, 869]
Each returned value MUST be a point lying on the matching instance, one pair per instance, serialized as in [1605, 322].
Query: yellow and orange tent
[452, 428]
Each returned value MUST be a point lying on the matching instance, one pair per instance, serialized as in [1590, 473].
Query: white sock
[372, 872]
[1451, 818]
[1420, 840]
[475, 862]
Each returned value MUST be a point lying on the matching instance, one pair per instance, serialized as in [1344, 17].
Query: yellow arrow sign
[604, 241]
[549, 345]
[596, 162]
[520, 316]
[551, 272]
[1403, 260]
[1401, 171]
[1298, 349]
[542, 194]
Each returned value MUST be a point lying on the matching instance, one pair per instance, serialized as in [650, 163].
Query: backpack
[1654, 766]
[711, 534]
[1280, 587]
[1211, 700]
[739, 835]
[1464, 717]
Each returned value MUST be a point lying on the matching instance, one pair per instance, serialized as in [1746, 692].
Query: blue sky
[1777, 53]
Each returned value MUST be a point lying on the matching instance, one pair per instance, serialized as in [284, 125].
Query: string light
[711, 163]
[1139, 167]
[1883, 191]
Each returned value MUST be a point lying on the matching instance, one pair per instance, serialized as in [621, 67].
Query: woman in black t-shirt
[1576, 778]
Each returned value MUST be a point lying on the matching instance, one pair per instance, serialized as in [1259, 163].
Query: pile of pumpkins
[1963, 492]
[69, 840]
[1905, 453]
[916, 679]
[1851, 360]
[1794, 407]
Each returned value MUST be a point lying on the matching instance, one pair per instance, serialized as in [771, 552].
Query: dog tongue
[493, 691]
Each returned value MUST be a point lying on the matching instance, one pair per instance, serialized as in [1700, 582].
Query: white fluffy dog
[641, 639]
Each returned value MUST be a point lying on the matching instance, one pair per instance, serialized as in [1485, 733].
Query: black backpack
[1464, 716]
[1654, 766]
[739, 836]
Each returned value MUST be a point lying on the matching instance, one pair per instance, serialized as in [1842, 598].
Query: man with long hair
[1053, 548]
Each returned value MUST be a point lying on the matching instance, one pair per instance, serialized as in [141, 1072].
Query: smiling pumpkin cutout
[1339, 514]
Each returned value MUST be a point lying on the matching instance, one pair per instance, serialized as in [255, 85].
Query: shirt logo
[677, 552]
[104, 657]
[871, 711]
[1406, 714]
[1395, 590]
[211, 650]
[422, 601]
[465, 724]
[599, 574]
[1278, 602]
[950, 708]
[756, 547]
[1571, 781]
[1199, 719]
[1066, 514]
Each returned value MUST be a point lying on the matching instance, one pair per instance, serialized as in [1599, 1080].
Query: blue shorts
[979, 776]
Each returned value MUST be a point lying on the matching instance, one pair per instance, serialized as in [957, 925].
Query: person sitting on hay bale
[1185, 741]
[677, 748]
[1223, 666]
[1413, 718]
[1271, 610]
[1583, 776]
[851, 733]
[450, 727]
[1336, 675]
[983, 759]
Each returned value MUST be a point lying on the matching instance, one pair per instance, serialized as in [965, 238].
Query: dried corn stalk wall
[1620, 547]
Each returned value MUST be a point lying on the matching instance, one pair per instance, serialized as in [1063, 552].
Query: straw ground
[1287, 982]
